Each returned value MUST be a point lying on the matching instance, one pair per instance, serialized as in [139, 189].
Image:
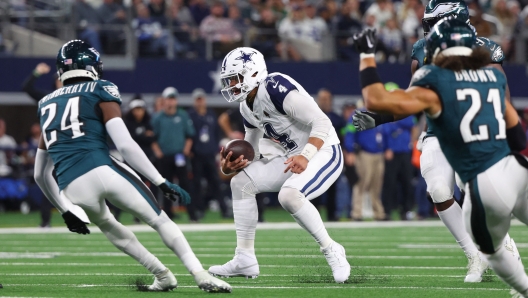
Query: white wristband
[158, 181]
[309, 151]
[365, 55]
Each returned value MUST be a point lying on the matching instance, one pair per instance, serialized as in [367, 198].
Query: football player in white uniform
[301, 158]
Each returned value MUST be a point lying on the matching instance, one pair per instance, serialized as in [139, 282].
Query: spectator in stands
[252, 11]
[157, 11]
[204, 152]
[112, 13]
[329, 13]
[347, 26]
[382, 10]
[182, 13]
[29, 84]
[278, 8]
[221, 31]
[482, 26]
[199, 10]
[233, 13]
[7, 147]
[349, 158]
[325, 102]
[508, 21]
[368, 147]
[397, 187]
[153, 40]
[174, 131]
[182, 26]
[267, 35]
[87, 20]
[392, 40]
[301, 37]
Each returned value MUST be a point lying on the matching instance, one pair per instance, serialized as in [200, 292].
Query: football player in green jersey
[477, 129]
[434, 167]
[76, 120]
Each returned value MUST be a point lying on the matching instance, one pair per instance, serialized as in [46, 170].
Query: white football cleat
[244, 264]
[510, 246]
[477, 266]
[211, 284]
[164, 281]
[336, 258]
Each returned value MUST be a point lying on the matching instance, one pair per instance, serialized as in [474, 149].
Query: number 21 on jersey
[476, 105]
[71, 113]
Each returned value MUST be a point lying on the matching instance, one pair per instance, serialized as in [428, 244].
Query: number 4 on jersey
[71, 110]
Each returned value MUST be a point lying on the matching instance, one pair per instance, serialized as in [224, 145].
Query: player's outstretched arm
[400, 103]
[133, 154]
[44, 179]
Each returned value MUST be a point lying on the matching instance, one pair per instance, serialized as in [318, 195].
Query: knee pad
[440, 191]
[241, 182]
[291, 199]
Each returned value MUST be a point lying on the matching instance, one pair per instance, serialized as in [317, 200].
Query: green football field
[411, 260]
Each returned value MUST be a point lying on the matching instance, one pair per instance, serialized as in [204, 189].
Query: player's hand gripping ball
[236, 155]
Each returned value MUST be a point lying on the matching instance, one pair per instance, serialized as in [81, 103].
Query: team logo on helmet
[245, 57]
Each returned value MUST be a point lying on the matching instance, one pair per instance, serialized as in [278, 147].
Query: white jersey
[289, 130]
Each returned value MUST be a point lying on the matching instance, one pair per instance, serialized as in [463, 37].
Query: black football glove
[365, 41]
[173, 192]
[75, 224]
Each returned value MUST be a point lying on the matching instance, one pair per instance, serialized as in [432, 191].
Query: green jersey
[73, 128]
[471, 128]
[418, 54]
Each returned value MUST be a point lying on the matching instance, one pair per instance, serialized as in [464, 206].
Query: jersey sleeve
[424, 77]
[495, 50]
[109, 92]
[278, 87]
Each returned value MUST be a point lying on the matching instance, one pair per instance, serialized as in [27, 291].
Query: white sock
[126, 241]
[453, 220]
[509, 269]
[245, 211]
[309, 218]
[174, 239]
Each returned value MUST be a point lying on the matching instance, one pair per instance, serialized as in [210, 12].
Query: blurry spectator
[368, 147]
[301, 37]
[29, 84]
[138, 122]
[278, 8]
[233, 13]
[410, 17]
[199, 10]
[251, 11]
[382, 10]
[204, 150]
[324, 100]
[349, 157]
[524, 121]
[398, 167]
[507, 19]
[267, 35]
[153, 40]
[355, 10]
[113, 39]
[182, 25]
[482, 26]
[221, 31]
[87, 20]
[329, 13]
[7, 147]
[392, 40]
[174, 131]
[347, 26]
[182, 13]
[159, 105]
[157, 11]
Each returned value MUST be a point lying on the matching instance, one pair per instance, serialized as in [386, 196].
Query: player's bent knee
[243, 183]
[291, 199]
[440, 191]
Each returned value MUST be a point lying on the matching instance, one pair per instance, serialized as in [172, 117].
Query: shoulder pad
[109, 91]
[424, 76]
[495, 50]
[278, 87]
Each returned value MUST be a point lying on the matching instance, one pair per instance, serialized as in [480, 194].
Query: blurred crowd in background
[311, 30]
[381, 165]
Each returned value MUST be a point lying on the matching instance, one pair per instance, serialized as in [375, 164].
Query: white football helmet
[243, 69]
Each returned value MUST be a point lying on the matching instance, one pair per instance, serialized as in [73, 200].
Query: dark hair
[479, 58]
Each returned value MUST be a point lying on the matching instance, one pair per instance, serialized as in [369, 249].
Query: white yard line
[261, 226]
[260, 275]
[346, 286]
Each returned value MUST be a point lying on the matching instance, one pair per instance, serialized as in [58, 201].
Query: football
[239, 147]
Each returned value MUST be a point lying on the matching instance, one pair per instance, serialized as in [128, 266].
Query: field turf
[405, 261]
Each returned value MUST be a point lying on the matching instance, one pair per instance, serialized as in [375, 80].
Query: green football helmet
[451, 36]
[439, 9]
[77, 58]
